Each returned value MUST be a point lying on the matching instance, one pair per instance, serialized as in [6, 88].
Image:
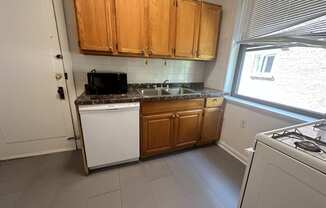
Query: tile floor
[201, 178]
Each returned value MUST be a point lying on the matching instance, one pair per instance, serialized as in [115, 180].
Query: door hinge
[72, 138]
[66, 75]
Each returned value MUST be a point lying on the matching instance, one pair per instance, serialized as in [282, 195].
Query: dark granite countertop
[134, 96]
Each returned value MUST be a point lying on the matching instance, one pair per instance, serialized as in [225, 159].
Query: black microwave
[106, 83]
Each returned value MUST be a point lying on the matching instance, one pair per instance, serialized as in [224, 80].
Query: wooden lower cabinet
[172, 125]
[212, 124]
[157, 133]
[187, 127]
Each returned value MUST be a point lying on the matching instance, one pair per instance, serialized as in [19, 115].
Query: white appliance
[111, 133]
[287, 169]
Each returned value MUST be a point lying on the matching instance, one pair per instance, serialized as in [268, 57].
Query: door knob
[61, 93]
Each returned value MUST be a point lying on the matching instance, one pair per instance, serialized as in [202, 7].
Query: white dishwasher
[111, 133]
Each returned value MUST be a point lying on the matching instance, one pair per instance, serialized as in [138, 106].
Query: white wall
[157, 70]
[216, 71]
[241, 123]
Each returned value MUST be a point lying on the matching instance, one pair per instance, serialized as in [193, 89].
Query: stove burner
[296, 134]
[320, 125]
[309, 146]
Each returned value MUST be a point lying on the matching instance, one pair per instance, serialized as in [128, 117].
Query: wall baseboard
[38, 153]
[233, 152]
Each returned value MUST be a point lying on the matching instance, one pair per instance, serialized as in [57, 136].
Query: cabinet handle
[173, 116]
[145, 52]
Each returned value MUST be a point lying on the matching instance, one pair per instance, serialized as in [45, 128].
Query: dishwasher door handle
[116, 109]
[109, 107]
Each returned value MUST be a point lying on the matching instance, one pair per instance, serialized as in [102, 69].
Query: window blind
[267, 17]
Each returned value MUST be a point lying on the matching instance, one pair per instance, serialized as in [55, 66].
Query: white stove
[310, 138]
[287, 168]
[304, 142]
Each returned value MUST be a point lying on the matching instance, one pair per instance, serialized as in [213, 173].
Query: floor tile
[206, 177]
[156, 169]
[94, 184]
[132, 174]
[72, 199]
[168, 193]
[8, 201]
[137, 195]
[108, 200]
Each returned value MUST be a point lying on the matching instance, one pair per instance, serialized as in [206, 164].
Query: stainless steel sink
[153, 92]
[179, 91]
[166, 92]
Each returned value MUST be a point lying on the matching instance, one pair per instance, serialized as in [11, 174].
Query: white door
[279, 181]
[33, 119]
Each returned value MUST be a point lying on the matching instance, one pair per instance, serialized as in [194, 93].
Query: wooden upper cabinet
[181, 29]
[209, 30]
[161, 20]
[95, 25]
[131, 31]
[187, 28]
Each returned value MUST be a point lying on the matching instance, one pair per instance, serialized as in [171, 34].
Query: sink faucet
[165, 82]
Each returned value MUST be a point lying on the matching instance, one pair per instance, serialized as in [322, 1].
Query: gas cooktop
[310, 138]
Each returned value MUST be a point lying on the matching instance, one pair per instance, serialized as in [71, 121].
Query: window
[282, 58]
[262, 66]
[292, 78]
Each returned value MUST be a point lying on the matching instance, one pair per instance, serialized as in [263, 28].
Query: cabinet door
[209, 30]
[94, 19]
[157, 134]
[187, 28]
[212, 121]
[130, 20]
[161, 14]
[187, 127]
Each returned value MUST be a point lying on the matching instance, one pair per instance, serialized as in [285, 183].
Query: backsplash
[139, 70]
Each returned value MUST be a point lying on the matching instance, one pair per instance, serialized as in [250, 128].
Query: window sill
[275, 111]
[268, 77]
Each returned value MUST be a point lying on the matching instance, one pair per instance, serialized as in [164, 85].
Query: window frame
[236, 81]
[259, 72]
